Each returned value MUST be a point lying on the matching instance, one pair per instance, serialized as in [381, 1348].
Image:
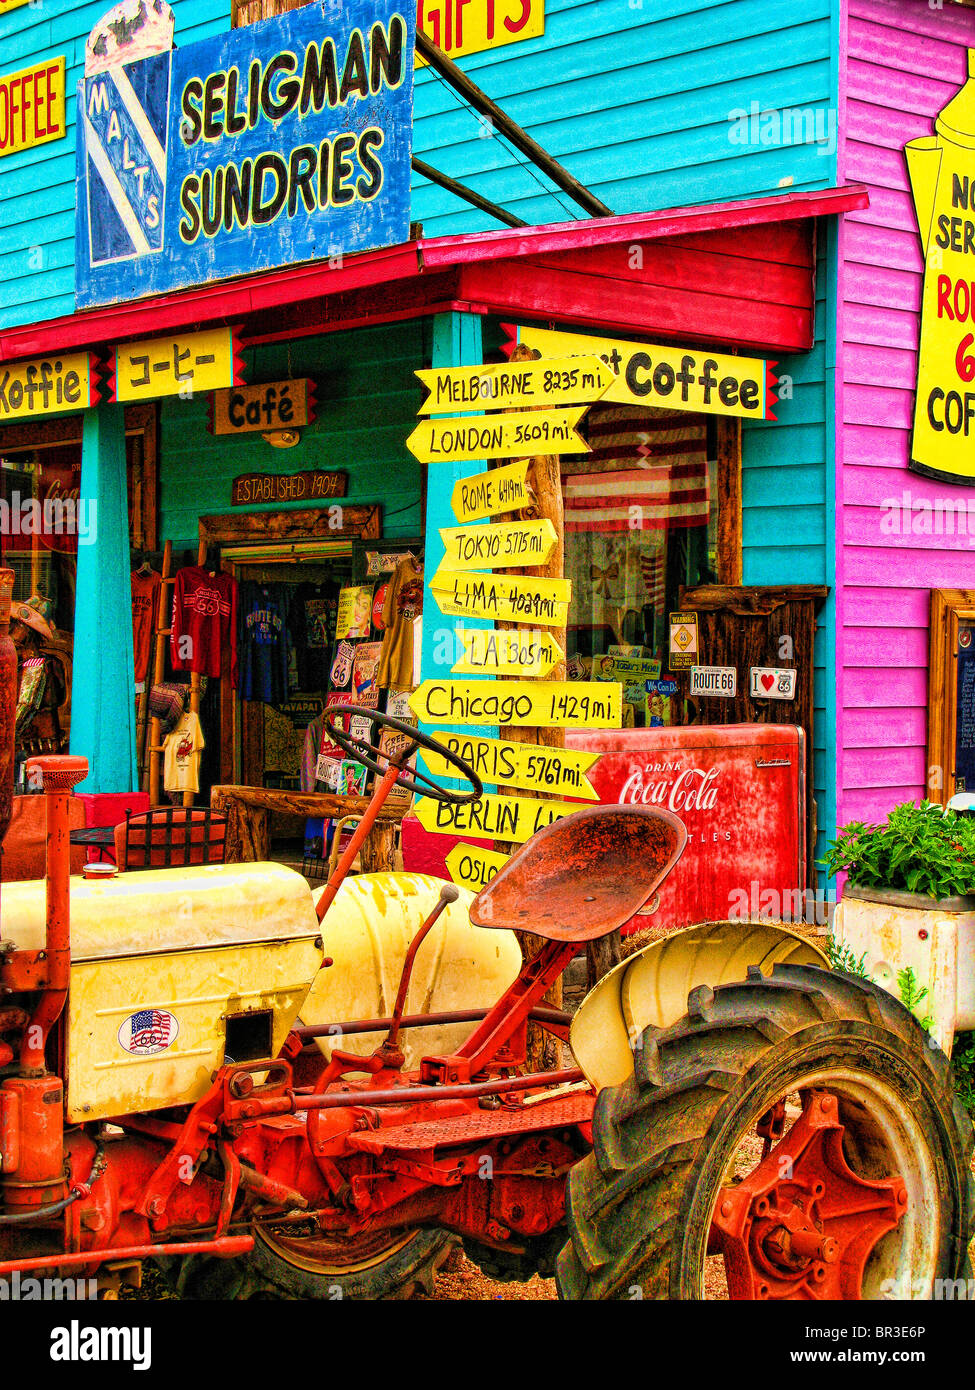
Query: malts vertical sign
[285, 141]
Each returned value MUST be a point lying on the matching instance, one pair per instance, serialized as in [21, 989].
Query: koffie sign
[283, 141]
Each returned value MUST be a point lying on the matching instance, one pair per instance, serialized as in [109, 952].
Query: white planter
[936, 939]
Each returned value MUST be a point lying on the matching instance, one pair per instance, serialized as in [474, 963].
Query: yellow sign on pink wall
[943, 183]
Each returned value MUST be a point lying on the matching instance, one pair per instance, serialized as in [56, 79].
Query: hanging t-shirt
[145, 594]
[404, 603]
[263, 642]
[204, 621]
[311, 622]
[181, 749]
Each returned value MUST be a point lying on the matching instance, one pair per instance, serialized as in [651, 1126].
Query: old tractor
[179, 1082]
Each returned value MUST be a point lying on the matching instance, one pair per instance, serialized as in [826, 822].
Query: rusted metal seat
[583, 876]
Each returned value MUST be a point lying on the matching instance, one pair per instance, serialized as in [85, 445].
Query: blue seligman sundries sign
[281, 142]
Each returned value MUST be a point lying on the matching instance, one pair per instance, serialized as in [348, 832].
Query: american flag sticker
[147, 1032]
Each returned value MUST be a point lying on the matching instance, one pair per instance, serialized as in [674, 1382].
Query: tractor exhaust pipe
[57, 774]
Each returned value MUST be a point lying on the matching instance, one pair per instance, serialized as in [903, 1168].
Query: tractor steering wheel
[368, 754]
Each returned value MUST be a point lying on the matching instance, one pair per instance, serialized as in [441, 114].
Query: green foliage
[913, 996]
[918, 849]
[963, 1069]
[842, 958]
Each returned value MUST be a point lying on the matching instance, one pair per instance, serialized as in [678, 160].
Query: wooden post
[545, 483]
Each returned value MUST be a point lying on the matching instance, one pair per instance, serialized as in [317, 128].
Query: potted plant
[906, 917]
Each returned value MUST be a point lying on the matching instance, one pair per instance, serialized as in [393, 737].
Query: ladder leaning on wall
[164, 620]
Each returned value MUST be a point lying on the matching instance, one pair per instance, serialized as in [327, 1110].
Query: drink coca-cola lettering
[692, 789]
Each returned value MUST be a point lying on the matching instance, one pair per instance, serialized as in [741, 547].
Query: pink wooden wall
[904, 61]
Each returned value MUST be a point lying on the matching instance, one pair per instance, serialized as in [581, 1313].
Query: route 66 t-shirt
[204, 621]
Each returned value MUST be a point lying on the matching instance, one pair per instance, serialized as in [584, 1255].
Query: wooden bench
[248, 810]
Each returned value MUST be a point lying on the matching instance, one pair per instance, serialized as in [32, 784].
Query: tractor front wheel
[792, 1137]
[286, 1263]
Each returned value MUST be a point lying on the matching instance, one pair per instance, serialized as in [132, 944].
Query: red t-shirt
[145, 592]
[204, 622]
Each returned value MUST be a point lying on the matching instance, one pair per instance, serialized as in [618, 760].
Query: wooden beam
[510, 129]
[460, 190]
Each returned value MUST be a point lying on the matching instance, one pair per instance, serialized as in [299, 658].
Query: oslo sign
[284, 141]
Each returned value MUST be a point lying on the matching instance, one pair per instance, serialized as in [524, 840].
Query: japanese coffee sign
[943, 183]
[283, 141]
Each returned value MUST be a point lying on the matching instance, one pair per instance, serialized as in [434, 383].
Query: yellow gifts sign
[524, 704]
[515, 818]
[182, 365]
[506, 544]
[459, 27]
[942, 173]
[673, 378]
[508, 599]
[492, 494]
[48, 386]
[528, 766]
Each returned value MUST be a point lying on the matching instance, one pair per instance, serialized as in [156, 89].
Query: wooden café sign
[314, 486]
[254, 149]
[272, 405]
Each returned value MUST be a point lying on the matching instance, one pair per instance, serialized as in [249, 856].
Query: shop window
[43, 518]
[951, 695]
[641, 520]
[251, 11]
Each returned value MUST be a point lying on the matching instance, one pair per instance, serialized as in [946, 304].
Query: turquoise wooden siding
[37, 192]
[787, 510]
[633, 97]
[367, 403]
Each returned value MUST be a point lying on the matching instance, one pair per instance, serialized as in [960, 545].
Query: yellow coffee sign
[496, 547]
[559, 771]
[523, 704]
[942, 175]
[672, 377]
[473, 867]
[499, 436]
[515, 818]
[31, 105]
[570, 381]
[492, 494]
[508, 652]
[504, 598]
[182, 365]
[472, 26]
[47, 386]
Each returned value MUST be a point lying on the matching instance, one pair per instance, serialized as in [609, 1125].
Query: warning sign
[684, 650]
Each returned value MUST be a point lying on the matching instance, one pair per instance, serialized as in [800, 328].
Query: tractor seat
[582, 877]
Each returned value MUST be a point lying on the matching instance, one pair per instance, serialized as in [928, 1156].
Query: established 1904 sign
[284, 141]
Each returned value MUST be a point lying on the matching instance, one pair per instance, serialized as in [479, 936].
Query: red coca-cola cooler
[740, 791]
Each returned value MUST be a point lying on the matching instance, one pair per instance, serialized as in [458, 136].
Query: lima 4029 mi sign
[281, 142]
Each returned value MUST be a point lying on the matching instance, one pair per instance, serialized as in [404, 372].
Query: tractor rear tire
[640, 1207]
[394, 1267]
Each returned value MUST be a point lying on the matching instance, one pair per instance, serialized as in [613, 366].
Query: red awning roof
[405, 268]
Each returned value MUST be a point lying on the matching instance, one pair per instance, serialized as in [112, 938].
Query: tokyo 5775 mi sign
[283, 141]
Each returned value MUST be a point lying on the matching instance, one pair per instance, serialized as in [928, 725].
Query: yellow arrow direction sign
[525, 704]
[499, 436]
[562, 381]
[559, 771]
[507, 653]
[495, 547]
[473, 867]
[492, 494]
[505, 598]
[513, 818]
